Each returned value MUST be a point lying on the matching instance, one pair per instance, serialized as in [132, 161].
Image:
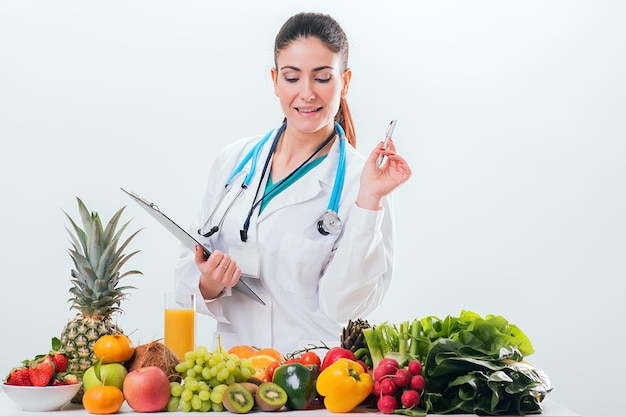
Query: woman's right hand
[216, 272]
[377, 182]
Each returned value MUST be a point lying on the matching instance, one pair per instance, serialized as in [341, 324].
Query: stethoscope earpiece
[210, 233]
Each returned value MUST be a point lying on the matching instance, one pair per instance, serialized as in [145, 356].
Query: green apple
[105, 374]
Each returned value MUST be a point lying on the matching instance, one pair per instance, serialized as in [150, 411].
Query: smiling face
[309, 81]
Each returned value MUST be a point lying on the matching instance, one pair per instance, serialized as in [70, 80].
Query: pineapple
[95, 292]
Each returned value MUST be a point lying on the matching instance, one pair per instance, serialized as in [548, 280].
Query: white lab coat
[311, 284]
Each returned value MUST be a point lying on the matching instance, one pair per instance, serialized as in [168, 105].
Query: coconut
[158, 354]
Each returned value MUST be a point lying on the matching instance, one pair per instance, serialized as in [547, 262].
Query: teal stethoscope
[327, 224]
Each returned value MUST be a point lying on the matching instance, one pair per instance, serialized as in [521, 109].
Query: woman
[312, 280]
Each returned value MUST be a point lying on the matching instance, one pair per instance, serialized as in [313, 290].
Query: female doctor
[298, 215]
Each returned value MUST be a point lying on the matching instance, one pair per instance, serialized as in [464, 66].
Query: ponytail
[344, 118]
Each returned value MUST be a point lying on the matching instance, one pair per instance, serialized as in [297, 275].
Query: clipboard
[185, 238]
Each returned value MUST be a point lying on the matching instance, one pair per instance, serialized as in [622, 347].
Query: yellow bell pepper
[344, 385]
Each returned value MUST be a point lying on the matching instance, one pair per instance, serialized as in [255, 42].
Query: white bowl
[47, 398]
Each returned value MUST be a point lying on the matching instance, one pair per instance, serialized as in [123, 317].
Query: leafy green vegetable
[471, 363]
[487, 334]
[461, 379]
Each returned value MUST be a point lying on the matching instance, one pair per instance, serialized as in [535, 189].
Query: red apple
[147, 389]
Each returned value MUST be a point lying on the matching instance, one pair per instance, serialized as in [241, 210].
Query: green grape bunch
[205, 377]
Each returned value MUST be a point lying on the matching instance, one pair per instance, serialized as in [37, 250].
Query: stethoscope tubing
[335, 196]
[252, 156]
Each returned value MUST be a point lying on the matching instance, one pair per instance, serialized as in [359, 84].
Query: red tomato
[310, 358]
[269, 370]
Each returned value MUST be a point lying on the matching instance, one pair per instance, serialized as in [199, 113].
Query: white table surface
[9, 408]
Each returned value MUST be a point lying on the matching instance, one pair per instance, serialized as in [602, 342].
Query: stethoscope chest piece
[329, 223]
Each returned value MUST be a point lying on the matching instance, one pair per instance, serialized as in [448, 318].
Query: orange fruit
[262, 359]
[113, 348]
[242, 351]
[270, 352]
[260, 362]
[103, 399]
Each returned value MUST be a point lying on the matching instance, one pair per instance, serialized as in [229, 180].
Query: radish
[410, 398]
[387, 404]
[388, 386]
[391, 362]
[415, 367]
[376, 388]
[402, 377]
[380, 372]
[418, 383]
[387, 366]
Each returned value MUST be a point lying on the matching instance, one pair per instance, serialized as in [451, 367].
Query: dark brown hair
[327, 30]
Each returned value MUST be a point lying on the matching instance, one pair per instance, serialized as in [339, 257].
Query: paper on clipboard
[185, 238]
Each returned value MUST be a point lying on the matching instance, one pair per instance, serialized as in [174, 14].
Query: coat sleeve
[186, 273]
[359, 273]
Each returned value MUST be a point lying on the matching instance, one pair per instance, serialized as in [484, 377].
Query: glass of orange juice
[180, 323]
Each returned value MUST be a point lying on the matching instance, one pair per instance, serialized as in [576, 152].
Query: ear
[347, 76]
[274, 75]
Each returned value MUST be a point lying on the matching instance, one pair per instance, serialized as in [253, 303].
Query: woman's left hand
[377, 182]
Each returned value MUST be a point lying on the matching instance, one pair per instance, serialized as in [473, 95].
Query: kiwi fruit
[270, 396]
[253, 388]
[237, 399]
[254, 380]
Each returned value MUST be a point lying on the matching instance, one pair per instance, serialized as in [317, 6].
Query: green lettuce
[489, 334]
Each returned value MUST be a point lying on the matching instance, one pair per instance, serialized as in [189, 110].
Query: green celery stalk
[416, 326]
[403, 334]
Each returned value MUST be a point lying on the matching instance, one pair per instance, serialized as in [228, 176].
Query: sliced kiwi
[270, 396]
[237, 399]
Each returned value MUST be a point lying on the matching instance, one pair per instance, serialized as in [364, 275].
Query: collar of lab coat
[309, 186]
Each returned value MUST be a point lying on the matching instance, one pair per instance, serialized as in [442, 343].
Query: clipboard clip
[142, 199]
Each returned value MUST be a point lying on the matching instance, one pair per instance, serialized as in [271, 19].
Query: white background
[511, 114]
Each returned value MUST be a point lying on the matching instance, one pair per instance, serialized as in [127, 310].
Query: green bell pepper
[298, 381]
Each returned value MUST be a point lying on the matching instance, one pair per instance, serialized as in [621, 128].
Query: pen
[390, 128]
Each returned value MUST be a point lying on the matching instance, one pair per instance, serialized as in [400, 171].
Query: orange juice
[180, 331]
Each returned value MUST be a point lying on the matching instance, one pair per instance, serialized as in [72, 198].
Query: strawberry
[59, 360]
[41, 371]
[63, 378]
[58, 356]
[70, 379]
[58, 380]
[19, 376]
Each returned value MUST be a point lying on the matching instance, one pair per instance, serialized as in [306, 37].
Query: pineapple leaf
[92, 231]
[125, 258]
[94, 237]
[80, 233]
[75, 243]
[109, 233]
[106, 259]
[127, 241]
[108, 241]
[130, 273]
